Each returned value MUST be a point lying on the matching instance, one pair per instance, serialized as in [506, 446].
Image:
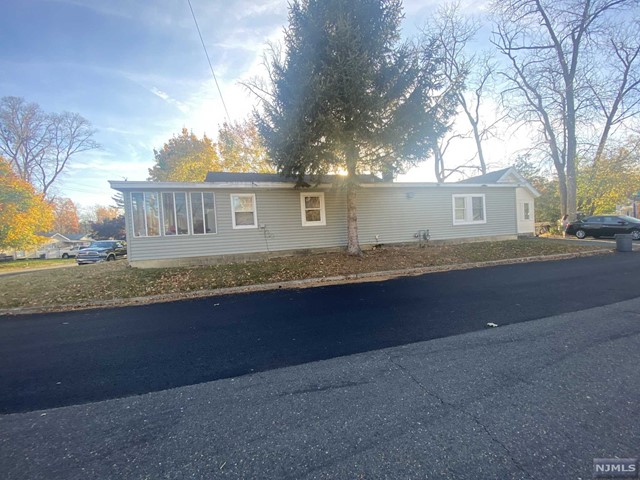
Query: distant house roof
[68, 237]
[76, 237]
[230, 177]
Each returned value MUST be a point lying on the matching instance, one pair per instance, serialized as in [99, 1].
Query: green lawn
[116, 280]
[20, 265]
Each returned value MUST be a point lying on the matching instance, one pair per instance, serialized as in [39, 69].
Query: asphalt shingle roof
[491, 177]
[230, 177]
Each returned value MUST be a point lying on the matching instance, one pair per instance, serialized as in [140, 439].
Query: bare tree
[452, 33]
[440, 151]
[552, 49]
[40, 145]
[615, 86]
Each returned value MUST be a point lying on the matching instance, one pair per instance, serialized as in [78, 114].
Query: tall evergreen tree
[349, 96]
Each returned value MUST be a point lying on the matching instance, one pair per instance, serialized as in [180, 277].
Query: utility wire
[208, 60]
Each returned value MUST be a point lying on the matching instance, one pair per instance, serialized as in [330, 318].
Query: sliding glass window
[146, 214]
[174, 213]
[203, 213]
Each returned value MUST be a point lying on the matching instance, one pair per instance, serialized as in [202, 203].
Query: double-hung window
[526, 211]
[243, 210]
[469, 209]
[145, 209]
[312, 206]
[203, 213]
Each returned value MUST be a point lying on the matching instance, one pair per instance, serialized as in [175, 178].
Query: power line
[208, 60]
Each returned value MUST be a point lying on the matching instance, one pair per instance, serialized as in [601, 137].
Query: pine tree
[349, 96]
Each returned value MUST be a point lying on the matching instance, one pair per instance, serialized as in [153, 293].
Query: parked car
[101, 251]
[605, 226]
[69, 252]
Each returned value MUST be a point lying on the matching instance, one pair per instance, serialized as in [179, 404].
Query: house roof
[502, 177]
[491, 177]
[505, 178]
[230, 177]
[77, 236]
[67, 237]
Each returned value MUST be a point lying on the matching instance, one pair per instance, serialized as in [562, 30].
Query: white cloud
[165, 96]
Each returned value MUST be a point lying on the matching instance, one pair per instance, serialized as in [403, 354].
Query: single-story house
[233, 216]
[54, 245]
[67, 240]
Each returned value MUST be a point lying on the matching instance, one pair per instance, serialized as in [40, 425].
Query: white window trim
[133, 218]
[469, 209]
[524, 211]
[323, 216]
[175, 209]
[215, 214]
[175, 213]
[233, 212]
[144, 206]
[163, 230]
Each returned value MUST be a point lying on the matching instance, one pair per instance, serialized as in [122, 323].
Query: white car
[70, 252]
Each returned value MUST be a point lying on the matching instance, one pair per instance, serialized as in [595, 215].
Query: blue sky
[137, 71]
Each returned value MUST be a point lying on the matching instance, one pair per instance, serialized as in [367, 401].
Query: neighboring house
[632, 209]
[232, 216]
[54, 245]
[64, 245]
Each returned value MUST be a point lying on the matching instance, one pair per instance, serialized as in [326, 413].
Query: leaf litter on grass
[116, 280]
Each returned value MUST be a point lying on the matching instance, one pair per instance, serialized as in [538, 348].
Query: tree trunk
[572, 186]
[438, 164]
[353, 244]
[477, 137]
[478, 140]
[562, 186]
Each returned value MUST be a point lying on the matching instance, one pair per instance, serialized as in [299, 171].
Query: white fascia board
[122, 186]
[523, 182]
[510, 171]
[127, 185]
[438, 185]
[531, 188]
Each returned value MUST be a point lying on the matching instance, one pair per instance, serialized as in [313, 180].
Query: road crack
[473, 417]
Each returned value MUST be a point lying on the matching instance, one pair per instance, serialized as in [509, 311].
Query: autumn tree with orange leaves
[66, 216]
[24, 214]
[185, 158]
[105, 213]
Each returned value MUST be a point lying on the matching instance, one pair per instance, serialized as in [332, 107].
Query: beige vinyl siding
[394, 213]
[524, 196]
[277, 210]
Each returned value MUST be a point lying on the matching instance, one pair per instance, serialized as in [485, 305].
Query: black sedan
[605, 226]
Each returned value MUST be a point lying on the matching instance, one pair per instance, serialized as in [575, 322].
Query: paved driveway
[589, 241]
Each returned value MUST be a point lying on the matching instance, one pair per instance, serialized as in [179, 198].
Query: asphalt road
[63, 359]
[535, 400]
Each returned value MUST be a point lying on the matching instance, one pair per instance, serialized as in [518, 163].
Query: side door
[120, 249]
[614, 225]
[593, 226]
